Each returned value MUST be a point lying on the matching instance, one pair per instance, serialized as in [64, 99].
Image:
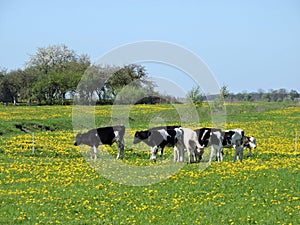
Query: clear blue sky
[247, 44]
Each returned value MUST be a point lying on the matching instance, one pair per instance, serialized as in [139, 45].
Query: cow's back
[145, 134]
[107, 134]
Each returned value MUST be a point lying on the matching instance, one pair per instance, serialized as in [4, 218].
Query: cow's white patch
[202, 138]
[178, 133]
[164, 134]
[252, 145]
[153, 153]
[252, 142]
[218, 134]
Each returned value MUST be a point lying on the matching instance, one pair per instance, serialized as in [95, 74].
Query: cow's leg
[153, 153]
[120, 150]
[189, 154]
[91, 152]
[181, 153]
[218, 155]
[179, 148]
[161, 153]
[95, 152]
[194, 156]
[250, 152]
[235, 153]
[193, 152]
[221, 153]
[212, 153]
[241, 153]
[176, 154]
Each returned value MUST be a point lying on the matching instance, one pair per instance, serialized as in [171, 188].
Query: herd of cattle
[181, 139]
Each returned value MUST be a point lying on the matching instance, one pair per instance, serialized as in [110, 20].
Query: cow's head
[199, 152]
[252, 142]
[78, 139]
[140, 136]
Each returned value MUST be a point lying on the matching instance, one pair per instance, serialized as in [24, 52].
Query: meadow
[57, 185]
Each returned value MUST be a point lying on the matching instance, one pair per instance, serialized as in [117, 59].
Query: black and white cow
[103, 136]
[157, 138]
[210, 137]
[218, 140]
[216, 145]
[204, 136]
[250, 143]
[187, 139]
[234, 138]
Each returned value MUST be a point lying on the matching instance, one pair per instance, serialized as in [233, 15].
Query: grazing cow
[249, 142]
[203, 135]
[216, 145]
[210, 137]
[203, 138]
[157, 137]
[186, 139]
[103, 136]
[234, 138]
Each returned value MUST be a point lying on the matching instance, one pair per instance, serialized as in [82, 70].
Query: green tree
[58, 71]
[248, 97]
[294, 94]
[195, 95]
[106, 82]
[219, 101]
[266, 97]
[130, 74]
[8, 89]
[224, 92]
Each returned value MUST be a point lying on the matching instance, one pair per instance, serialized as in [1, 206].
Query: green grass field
[56, 185]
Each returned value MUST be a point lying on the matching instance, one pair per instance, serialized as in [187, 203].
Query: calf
[203, 135]
[157, 137]
[216, 145]
[186, 139]
[249, 142]
[210, 137]
[103, 136]
[234, 138]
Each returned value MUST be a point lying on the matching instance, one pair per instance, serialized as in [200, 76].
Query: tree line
[57, 75]
[271, 95]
